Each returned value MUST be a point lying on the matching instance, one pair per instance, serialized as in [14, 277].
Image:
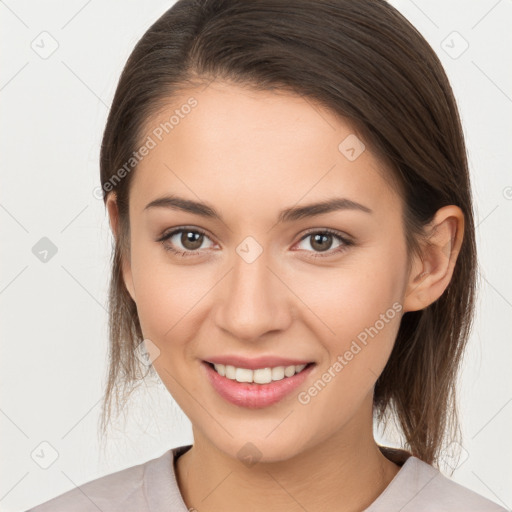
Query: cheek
[168, 295]
[360, 309]
[365, 319]
[353, 296]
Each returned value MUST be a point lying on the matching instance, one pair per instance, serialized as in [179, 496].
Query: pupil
[318, 238]
[190, 237]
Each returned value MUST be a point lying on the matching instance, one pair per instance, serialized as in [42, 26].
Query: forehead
[255, 149]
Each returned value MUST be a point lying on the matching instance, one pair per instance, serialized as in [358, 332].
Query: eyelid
[171, 232]
[168, 234]
[344, 236]
[347, 240]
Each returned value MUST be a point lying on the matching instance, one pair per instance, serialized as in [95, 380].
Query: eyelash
[347, 243]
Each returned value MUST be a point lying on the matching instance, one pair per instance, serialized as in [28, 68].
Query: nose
[254, 300]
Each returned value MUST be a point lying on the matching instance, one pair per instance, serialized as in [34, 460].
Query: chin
[251, 450]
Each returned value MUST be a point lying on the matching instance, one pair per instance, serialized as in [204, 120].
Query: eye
[190, 239]
[322, 240]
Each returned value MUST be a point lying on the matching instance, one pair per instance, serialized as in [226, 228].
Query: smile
[256, 388]
[259, 375]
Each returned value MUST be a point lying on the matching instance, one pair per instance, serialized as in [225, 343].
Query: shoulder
[424, 488]
[123, 490]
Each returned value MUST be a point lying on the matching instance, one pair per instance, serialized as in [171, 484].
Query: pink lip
[256, 362]
[254, 396]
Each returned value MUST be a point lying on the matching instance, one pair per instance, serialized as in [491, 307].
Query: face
[326, 289]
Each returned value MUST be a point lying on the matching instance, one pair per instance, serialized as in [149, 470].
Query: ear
[432, 271]
[115, 226]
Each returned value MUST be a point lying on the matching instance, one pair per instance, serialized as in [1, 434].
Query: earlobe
[432, 272]
[115, 226]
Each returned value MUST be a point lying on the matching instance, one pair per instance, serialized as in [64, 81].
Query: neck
[346, 472]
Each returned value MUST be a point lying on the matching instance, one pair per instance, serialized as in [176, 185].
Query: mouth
[255, 388]
[259, 375]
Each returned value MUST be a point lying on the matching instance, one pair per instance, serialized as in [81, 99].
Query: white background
[54, 323]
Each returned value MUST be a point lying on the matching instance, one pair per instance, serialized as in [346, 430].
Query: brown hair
[365, 62]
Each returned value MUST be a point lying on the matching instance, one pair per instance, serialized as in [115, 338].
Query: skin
[250, 154]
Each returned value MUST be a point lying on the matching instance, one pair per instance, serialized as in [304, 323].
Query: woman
[295, 254]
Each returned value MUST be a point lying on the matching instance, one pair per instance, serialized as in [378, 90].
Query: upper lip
[255, 362]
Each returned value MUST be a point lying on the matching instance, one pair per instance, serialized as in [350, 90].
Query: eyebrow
[286, 215]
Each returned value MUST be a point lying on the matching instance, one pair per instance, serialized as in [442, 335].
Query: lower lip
[254, 396]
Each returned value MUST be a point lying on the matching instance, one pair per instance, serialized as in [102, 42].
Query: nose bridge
[255, 299]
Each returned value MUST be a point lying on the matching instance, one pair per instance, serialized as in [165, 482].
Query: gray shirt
[152, 487]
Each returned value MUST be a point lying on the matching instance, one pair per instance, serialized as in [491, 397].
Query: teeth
[259, 376]
[278, 373]
[243, 375]
[289, 371]
[230, 372]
